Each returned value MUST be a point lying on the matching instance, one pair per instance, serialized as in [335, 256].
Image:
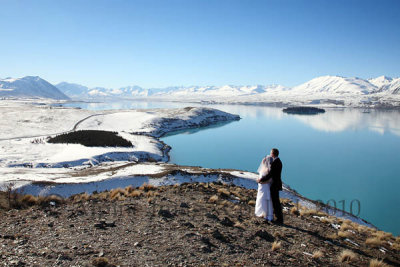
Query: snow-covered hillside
[335, 85]
[387, 85]
[29, 87]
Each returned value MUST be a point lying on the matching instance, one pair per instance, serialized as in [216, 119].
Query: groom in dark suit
[274, 176]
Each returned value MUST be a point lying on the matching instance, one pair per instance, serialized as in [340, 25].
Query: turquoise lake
[348, 157]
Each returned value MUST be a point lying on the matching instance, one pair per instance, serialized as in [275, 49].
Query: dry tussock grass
[103, 195]
[396, 246]
[374, 242]
[100, 262]
[294, 211]
[347, 256]
[377, 263]
[151, 194]
[116, 192]
[317, 254]
[344, 234]
[129, 189]
[252, 202]
[147, 187]
[135, 193]
[224, 192]
[383, 235]
[307, 212]
[364, 229]
[29, 200]
[333, 236]
[285, 201]
[51, 198]
[346, 226]
[327, 220]
[213, 199]
[276, 245]
[84, 197]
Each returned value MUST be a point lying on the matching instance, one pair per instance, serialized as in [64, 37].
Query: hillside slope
[201, 224]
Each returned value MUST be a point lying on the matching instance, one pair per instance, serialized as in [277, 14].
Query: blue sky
[164, 43]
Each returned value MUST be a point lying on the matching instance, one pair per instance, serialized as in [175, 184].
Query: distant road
[45, 135]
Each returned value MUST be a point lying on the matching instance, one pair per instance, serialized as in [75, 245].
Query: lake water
[347, 157]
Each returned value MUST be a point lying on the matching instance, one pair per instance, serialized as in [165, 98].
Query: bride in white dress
[263, 202]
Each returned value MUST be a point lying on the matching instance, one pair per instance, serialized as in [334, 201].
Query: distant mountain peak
[30, 87]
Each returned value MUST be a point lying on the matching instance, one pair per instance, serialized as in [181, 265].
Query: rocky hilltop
[199, 224]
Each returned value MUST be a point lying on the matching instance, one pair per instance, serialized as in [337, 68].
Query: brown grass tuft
[317, 254]
[129, 189]
[347, 256]
[147, 187]
[100, 262]
[51, 198]
[327, 220]
[276, 245]
[383, 235]
[213, 199]
[377, 263]
[151, 194]
[294, 211]
[252, 202]
[224, 192]
[103, 195]
[307, 212]
[333, 236]
[285, 201]
[374, 242]
[346, 226]
[396, 246]
[135, 193]
[82, 197]
[29, 200]
[344, 234]
[116, 192]
[364, 229]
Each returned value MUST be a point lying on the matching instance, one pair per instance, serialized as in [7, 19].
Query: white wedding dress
[263, 202]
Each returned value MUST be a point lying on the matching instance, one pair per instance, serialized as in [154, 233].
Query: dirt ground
[201, 224]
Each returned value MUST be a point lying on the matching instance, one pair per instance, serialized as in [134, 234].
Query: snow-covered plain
[25, 153]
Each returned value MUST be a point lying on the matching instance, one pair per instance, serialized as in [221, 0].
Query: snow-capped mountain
[29, 87]
[351, 91]
[335, 85]
[72, 90]
[387, 84]
[325, 89]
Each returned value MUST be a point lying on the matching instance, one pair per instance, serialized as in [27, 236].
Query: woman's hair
[275, 151]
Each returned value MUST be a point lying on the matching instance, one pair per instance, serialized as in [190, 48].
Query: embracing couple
[269, 185]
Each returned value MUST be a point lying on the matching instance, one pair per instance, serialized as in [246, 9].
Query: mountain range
[349, 91]
[29, 87]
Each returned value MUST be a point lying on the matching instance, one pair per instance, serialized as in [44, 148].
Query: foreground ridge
[190, 224]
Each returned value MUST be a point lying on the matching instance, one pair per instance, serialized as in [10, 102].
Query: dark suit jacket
[275, 174]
